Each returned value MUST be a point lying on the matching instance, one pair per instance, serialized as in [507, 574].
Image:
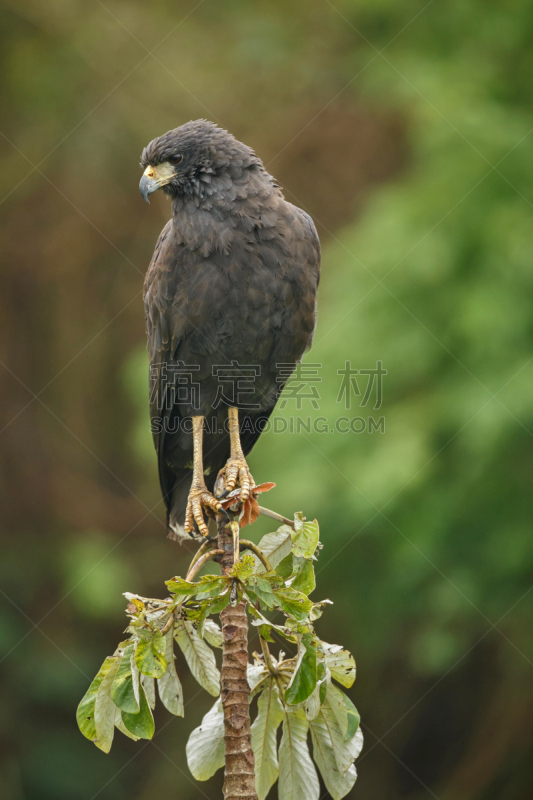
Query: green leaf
[122, 692]
[142, 723]
[205, 748]
[297, 775]
[220, 602]
[212, 586]
[285, 567]
[122, 728]
[337, 783]
[264, 745]
[264, 632]
[305, 538]
[276, 546]
[345, 712]
[148, 684]
[244, 568]
[294, 604]
[169, 685]
[354, 718]
[304, 576]
[150, 655]
[340, 662]
[263, 591]
[105, 709]
[212, 633]
[303, 681]
[333, 716]
[96, 712]
[85, 710]
[198, 655]
[180, 587]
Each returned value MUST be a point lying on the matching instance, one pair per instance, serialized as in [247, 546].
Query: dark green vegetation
[428, 526]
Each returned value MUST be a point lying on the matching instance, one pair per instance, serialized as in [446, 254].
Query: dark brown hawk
[230, 301]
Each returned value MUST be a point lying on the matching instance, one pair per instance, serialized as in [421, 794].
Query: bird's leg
[199, 496]
[236, 469]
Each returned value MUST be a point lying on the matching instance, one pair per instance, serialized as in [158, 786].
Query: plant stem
[239, 773]
[195, 568]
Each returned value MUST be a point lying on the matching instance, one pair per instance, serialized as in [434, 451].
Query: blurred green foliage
[405, 130]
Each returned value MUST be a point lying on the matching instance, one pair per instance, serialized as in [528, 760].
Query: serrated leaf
[169, 686]
[122, 692]
[297, 775]
[305, 539]
[244, 568]
[205, 748]
[294, 603]
[141, 724]
[179, 586]
[340, 662]
[333, 717]
[213, 633]
[199, 656]
[150, 655]
[264, 745]
[337, 784]
[303, 681]
[303, 579]
[85, 710]
[275, 546]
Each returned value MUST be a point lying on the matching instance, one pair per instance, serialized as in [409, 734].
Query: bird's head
[188, 160]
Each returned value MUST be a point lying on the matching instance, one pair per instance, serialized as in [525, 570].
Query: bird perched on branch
[230, 303]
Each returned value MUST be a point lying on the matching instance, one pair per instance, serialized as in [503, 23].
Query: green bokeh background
[405, 129]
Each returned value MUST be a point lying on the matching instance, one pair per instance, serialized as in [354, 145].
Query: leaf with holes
[305, 538]
[150, 655]
[340, 662]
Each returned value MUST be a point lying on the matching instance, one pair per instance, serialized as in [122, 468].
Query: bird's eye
[176, 158]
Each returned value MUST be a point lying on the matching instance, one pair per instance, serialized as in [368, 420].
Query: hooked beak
[147, 186]
[155, 177]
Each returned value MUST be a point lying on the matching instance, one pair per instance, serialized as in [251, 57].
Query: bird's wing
[163, 341]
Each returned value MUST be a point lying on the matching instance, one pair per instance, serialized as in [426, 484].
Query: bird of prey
[230, 304]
